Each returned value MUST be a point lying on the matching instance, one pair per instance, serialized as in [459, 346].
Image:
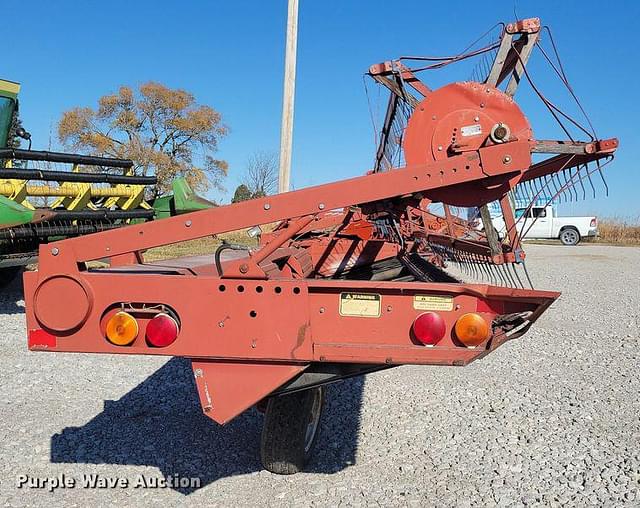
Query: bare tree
[261, 175]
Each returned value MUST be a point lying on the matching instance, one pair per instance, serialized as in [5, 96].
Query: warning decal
[360, 304]
[431, 302]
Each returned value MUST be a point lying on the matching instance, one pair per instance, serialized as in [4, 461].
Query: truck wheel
[290, 429]
[570, 236]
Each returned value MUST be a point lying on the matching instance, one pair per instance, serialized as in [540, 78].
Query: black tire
[291, 425]
[570, 236]
[9, 274]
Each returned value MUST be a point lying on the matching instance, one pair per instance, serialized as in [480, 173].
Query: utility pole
[286, 132]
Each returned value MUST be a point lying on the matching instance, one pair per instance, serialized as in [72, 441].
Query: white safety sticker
[432, 302]
[471, 130]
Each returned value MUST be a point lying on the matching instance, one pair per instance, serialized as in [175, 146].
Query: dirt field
[549, 419]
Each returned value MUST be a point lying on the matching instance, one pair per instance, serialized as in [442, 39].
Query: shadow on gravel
[159, 423]
[12, 292]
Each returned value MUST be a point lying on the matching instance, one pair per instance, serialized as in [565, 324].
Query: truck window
[539, 212]
[519, 212]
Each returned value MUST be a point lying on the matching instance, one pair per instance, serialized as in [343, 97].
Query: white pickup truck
[569, 230]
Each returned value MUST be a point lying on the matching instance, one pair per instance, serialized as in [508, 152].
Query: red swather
[334, 290]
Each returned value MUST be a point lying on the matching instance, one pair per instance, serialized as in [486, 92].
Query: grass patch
[197, 247]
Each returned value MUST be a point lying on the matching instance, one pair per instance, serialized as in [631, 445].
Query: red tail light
[594, 222]
[429, 328]
[162, 330]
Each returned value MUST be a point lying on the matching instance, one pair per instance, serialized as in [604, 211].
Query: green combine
[47, 196]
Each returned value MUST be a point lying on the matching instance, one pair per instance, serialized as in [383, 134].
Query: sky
[230, 55]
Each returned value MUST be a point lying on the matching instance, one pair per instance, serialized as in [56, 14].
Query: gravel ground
[549, 419]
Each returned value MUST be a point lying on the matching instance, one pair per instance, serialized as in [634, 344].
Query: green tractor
[47, 196]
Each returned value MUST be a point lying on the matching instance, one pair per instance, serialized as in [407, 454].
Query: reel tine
[555, 187]
[460, 262]
[485, 270]
[473, 267]
[499, 269]
[562, 191]
[482, 267]
[579, 174]
[590, 181]
[508, 275]
[529, 188]
[476, 267]
[515, 273]
[604, 182]
[539, 186]
[504, 274]
[526, 272]
[569, 185]
[496, 273]
[534, 185]
[480, 264]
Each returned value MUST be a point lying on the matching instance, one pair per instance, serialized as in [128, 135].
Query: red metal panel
[219, 318]
[226, 389]
[277, 320]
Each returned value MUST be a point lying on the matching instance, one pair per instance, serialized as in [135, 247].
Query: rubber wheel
[570, 236]
[291, 424]
[9, 274]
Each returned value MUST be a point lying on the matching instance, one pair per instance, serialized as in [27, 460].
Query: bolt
[198, 372]
[244, 268]
[433, 117]
[322, 358]
[253, 343]
[440, 148]
[267, 206]
[108, 249]
[221, 324]
[506, 159]
[476, 119]
[389, 308]
[321, 310]
[321, 206]
[482, 104]
[458, 307]
[55, 251]
[188, 223]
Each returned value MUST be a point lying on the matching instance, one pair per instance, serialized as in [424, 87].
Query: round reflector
[429, 328]
[122, 329]
[162, 330]
[471, 329]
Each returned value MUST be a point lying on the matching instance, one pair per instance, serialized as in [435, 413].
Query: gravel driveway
[552, 418]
